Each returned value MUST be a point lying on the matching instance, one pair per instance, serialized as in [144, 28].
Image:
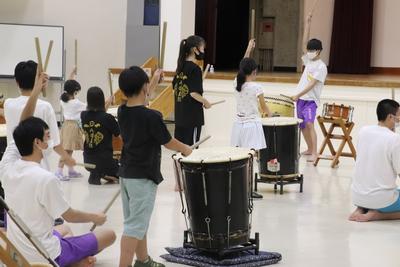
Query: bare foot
[86, 262]
[355, 213]
[371, 215]
[306, 153]
[312, 158]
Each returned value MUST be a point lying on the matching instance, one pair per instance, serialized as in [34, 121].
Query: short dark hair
[386, 107]
[25, 73]
[95, 99]
[26, 132]
[132, 80]
[70, 87]
[314, 44]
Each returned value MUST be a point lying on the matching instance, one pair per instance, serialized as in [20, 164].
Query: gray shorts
[138, 197]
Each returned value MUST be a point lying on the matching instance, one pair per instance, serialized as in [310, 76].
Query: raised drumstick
[76, 56]
[107, 207]
[46, 62]
[253, 23]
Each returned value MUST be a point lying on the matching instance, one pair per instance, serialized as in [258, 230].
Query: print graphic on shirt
[93, 136]
[309, 77]
[181, 89]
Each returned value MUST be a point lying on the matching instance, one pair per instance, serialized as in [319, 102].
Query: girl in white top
[247, 130]
[71, 132]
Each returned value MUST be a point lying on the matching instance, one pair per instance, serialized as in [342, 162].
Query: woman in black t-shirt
[188, 87]
[99, 127]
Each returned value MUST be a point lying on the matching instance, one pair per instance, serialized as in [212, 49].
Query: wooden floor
[371, 80]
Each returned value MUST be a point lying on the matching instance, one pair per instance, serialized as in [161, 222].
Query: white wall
[180, 16]
[99, 26]
[386, 37]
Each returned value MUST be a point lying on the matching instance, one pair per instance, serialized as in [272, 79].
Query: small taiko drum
[336, 111]
[217, 185]
[280, 106]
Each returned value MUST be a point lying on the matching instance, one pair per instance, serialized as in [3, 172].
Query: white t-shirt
[247, 101]
[35, 195]
[313, 70]
[72, 109]
[377, 166]
[12, 112]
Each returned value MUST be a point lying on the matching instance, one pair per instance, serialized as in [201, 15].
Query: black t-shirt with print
[188, 111]
[99, 127]
[143, 132]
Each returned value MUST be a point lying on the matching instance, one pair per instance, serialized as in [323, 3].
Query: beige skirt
[71, 136]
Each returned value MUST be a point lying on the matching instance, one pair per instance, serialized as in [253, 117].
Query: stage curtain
[351, 37]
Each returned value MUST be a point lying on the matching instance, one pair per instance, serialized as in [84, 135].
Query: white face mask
[312, 55]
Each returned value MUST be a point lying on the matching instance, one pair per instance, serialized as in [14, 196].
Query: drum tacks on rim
[280, 106]
[217, 184]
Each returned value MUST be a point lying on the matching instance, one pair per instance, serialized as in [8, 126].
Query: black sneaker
[256, 195]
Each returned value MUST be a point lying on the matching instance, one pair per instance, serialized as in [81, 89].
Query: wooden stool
[346, 127]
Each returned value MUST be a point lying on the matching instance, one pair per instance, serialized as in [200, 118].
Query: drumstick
[46, 62]
[38, 54]
[164, 37]
[110, 82]
[253, 23]
[86, 165]
[197, 144]
[286, 96]
[76, 56]
[107, 207]
[206, 71]
[218, 102]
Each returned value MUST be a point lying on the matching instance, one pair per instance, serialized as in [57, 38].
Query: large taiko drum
[280, 106]
[281, 157]
[217, 187]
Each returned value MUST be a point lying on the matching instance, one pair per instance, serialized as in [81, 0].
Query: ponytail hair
[70, 87]
[246, 68]
[185, 49]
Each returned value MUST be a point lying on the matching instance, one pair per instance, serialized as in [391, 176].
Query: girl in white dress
[247, 130]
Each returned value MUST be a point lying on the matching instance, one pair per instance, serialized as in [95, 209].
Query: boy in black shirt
[143, 132]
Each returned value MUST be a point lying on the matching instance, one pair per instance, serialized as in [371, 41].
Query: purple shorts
[76, 248]
[306, 110]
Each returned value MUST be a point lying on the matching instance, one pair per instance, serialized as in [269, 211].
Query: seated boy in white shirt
[374, 189]
[36, 196]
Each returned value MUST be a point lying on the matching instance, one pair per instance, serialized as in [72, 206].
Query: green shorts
[138, 197]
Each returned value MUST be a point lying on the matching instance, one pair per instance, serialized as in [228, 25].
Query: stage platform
[370, 80]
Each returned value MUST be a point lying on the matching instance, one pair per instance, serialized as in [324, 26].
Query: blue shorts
[395, 207]
[138, 197]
